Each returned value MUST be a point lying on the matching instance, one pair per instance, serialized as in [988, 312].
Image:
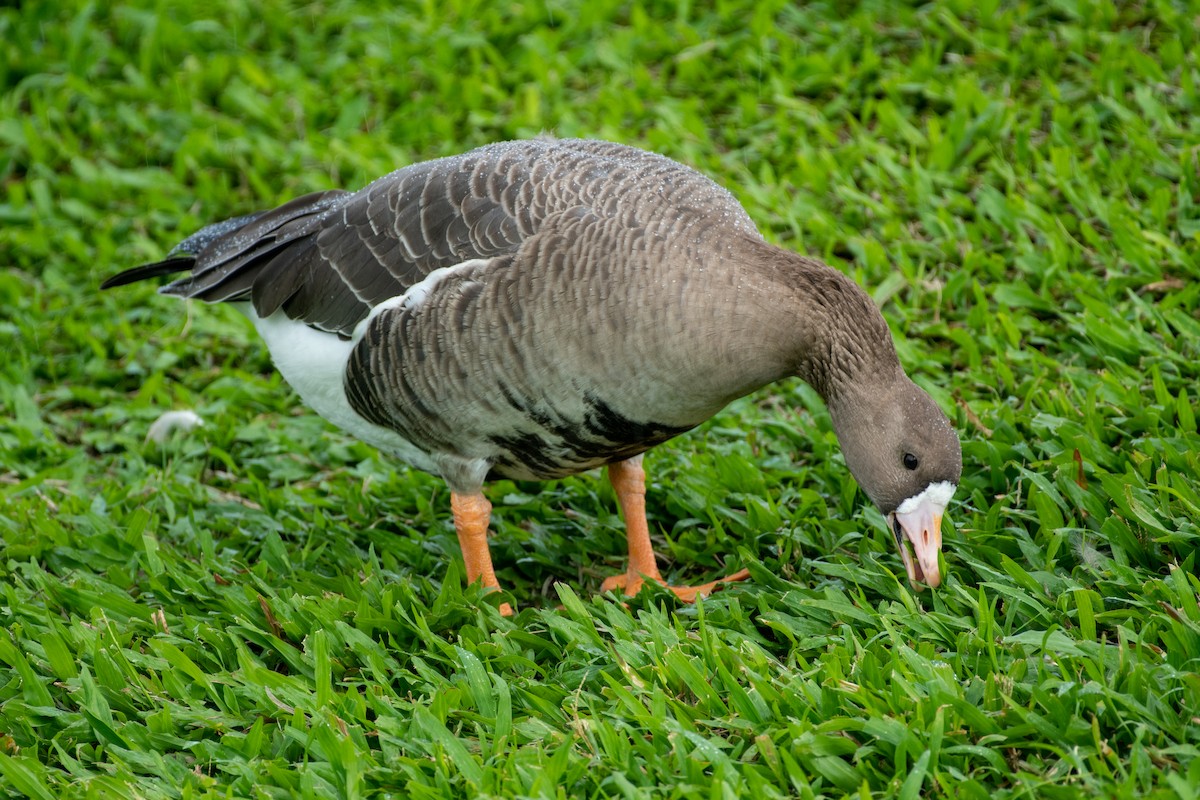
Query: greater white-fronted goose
[535, 309]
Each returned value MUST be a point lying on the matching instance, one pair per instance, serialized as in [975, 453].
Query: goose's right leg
[628, 480]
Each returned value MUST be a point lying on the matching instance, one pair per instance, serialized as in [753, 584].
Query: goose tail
[182, 257]
[168, 266]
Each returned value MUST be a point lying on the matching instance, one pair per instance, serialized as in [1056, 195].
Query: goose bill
[917, 529]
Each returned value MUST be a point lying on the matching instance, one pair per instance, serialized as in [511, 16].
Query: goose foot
[632, 583]
[628, 480]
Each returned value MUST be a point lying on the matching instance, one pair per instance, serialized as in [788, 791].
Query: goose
[535, 309]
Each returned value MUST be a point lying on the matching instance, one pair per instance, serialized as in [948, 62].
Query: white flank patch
[163, 427]
[937, 495]
[415, 297]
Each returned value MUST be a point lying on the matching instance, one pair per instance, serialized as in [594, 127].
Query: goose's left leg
[472, 513]
[628, 479]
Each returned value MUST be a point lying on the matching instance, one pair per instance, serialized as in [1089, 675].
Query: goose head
[906, 456]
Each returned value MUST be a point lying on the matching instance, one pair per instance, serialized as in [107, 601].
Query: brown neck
[823, 326]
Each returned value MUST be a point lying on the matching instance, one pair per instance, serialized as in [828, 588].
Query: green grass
[265, 608]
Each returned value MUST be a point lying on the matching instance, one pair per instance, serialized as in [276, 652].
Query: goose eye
[910, 461]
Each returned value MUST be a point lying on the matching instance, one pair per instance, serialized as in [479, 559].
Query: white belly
[313, 363]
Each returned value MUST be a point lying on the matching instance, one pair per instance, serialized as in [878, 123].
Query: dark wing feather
[167, 266]
[328, 258]
[227, 266]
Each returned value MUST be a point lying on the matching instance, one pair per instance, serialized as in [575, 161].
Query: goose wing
[328, 258]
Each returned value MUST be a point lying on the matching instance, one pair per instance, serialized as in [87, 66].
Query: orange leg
[472, 512]
[628, 479]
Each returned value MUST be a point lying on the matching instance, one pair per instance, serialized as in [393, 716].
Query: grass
[265, 608]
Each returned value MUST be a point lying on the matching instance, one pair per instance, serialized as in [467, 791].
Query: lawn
[266, 608]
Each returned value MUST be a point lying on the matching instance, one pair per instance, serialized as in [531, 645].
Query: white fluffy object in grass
[170, 422]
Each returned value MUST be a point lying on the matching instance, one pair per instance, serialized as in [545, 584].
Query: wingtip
[166, 267]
